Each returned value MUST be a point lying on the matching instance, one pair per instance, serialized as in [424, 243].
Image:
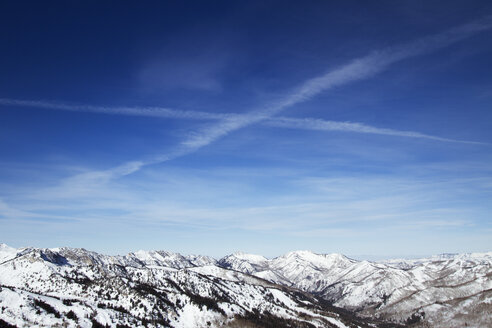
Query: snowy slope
[79, 288]
[448, 290]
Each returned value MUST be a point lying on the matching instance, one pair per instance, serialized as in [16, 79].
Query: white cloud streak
[129, 111]
[325, 125]
[356, 70]
[230, 121]
[321, 202]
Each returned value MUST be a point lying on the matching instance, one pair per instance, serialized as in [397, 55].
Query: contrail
[281, 122]
[325, 125]
[356, 70]
[130, 111]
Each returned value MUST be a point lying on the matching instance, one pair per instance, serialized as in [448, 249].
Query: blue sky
[354, 127]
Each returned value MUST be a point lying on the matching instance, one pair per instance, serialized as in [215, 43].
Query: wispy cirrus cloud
[322, 202]
[180, 200]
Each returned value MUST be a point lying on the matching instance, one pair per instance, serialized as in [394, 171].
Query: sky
[354, 127]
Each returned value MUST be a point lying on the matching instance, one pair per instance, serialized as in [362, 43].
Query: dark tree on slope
[5, 324]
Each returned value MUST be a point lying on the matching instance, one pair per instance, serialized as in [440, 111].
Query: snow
[282, 297]
[47, 272]
[7, 253]
[249, 257]
[337, 323]
[448, 288]
[192, 316]
[402, 285]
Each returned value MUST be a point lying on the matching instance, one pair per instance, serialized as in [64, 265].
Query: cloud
[378, 61]
[358, 69]
[230, 122]
[8, 212]
[130, 111]
[325, 125]
[193, 200]
[88, 180]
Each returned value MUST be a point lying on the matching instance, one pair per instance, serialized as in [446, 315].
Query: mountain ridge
[42, 287]
[436, 291]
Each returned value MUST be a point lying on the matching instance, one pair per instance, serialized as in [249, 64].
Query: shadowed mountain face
[76, 287]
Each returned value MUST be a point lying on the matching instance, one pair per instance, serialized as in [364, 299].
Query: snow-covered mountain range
[79, 288]
[449, 290]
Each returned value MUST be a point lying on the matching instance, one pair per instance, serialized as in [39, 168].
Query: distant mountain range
[66, 287]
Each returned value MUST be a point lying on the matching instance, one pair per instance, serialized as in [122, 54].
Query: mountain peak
[249, 257]
[2, 246]
[6, 248]
[316, 258]
[302, 253]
